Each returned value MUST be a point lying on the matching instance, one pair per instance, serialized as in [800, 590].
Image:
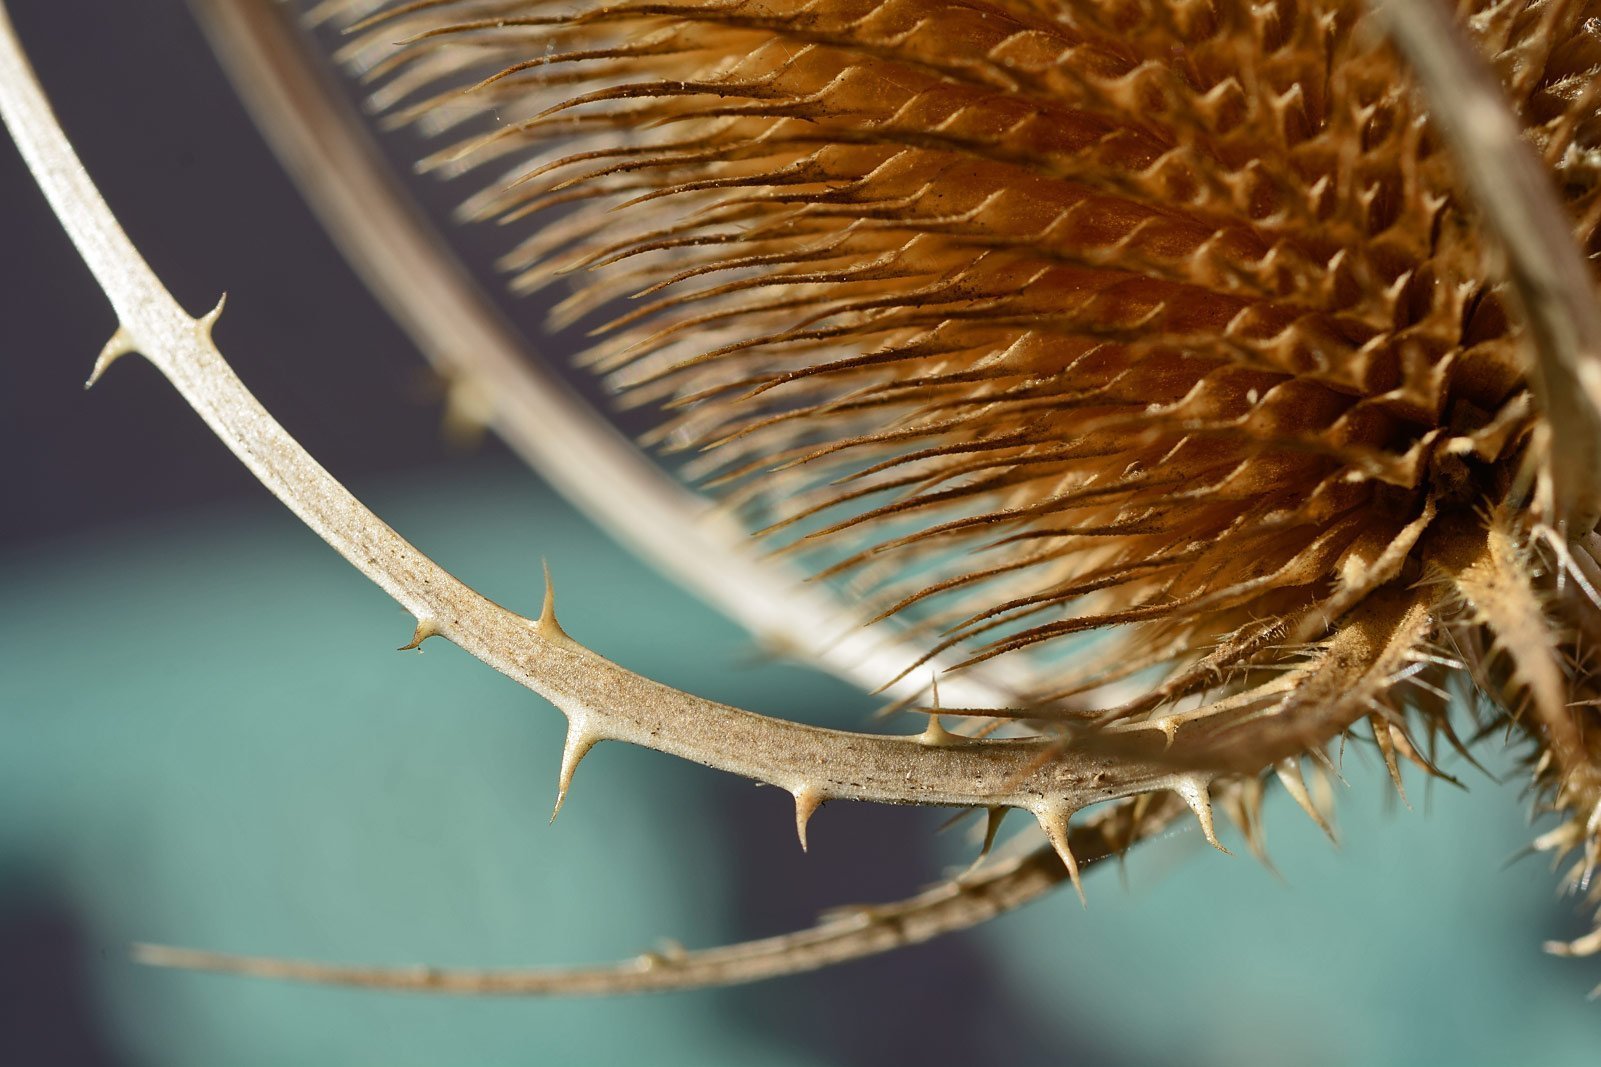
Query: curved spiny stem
[847, 934]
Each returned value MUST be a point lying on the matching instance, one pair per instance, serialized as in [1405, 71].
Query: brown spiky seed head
[1168, 321]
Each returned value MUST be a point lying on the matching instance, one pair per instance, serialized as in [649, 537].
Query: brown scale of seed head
[1161, 343]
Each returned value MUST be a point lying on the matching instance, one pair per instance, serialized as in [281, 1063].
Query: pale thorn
[993, 818]
[546, 624]
[1383, 738]
[573, 750]
[207, 322]
[121, 344]
[807, 801]
[1324, 767]
[1404, 746]
[992, 825]
[1289, 772]
[425, 629]
[1054, 820]
[1192, 789]
[936, 734]
[1322, 785]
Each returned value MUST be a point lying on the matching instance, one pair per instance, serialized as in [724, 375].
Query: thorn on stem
[425, 629]
[992, 826]
[579, 742]
[1193, 790]
[1386, 742]
[807, 801]
[1289, 773]
[547, 625]
[209, 320]
[1054, 821]
[935, 733]
[120, 345]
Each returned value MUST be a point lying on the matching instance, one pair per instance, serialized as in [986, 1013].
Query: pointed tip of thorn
[1055, 822]
[992, 827]
[993, 817]
[209, 319]
[1193, 790]
[425, 629]
[1289, 775]
[121, 344]
[573, 751]
[1383, 735]
[548, 627]
[807, 801]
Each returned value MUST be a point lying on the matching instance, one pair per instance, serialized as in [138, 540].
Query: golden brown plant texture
[1173, 322]
[1184, 355]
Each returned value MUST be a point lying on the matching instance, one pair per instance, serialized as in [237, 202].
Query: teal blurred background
[209, 740]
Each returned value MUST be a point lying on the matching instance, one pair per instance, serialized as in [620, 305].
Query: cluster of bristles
[1164, 320]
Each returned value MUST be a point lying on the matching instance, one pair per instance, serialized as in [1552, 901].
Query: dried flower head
[1177, 322]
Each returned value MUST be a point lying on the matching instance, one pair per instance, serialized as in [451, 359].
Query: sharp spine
[807, 801]
[1193, 790]
[579, 742]
[1054, 820]
[120, 344]
[1289, 773]
[425, 629]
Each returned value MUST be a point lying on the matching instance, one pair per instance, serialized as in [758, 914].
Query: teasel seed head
[1163, 345]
